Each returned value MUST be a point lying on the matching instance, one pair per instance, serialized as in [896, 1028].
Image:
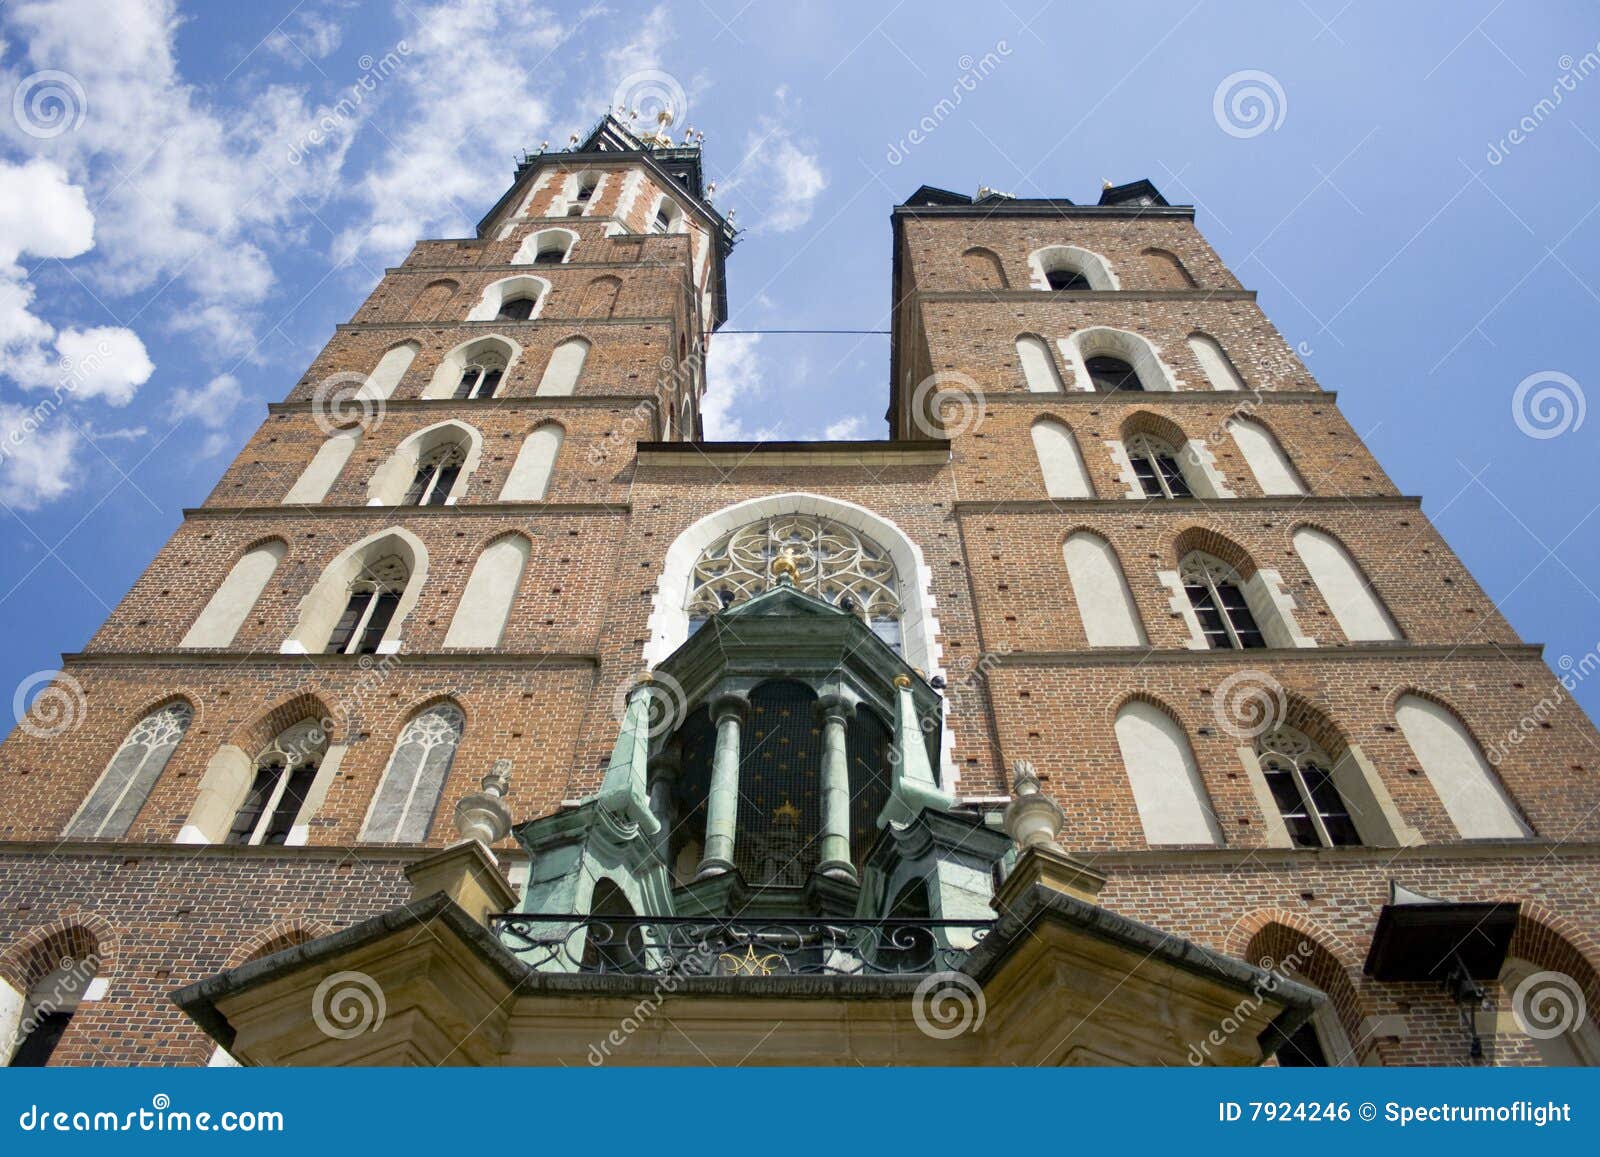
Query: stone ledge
[553, 509]
[208, 657]
[1288, 503]
[1139, 656]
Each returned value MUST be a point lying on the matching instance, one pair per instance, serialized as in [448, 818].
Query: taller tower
[1117, 691]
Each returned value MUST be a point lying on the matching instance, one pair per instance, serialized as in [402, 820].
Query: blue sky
[169, 226]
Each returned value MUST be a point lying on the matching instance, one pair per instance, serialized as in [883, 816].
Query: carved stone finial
[1032, 818]
[483, 816]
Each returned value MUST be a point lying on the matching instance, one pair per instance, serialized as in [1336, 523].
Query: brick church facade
[1118, 686]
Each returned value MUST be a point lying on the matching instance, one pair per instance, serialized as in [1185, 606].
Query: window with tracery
[133, 771]
[374, 595]
[417, 770]
[1156, 466]
[1217, 595]
[283, 777]
[833, 562]
[1300, 777]
[437, 471]
[481, 377]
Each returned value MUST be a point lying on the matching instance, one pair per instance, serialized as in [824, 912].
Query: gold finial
[784, 566]
[902, 680]
[1105, 184]
[786, 811]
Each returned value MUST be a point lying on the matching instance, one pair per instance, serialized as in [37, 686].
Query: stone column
[728, 712]
[664, 769]
[836, 712]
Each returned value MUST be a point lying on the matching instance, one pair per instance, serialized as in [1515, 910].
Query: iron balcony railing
[736, 946]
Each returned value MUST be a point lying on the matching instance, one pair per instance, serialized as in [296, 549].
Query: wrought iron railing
[691, 946]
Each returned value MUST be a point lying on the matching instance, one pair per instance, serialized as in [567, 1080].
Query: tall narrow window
[374, 595]
[1215, 362]
[132, 773]
[391, 368]
[1265, 457]
[324, 468]
[1455, 765]
[411, 785]
[565, 367]
[1301, 778]
[529, 479]
[485, 606]
[480, 378]
[582, 196]
[284, 773]
[1155, 464]
[1216, 593]
[1105, 604]
[1356, 607]
[437, 471]
[230, 605]
[1059, 461]
[1109, 374]
[1168, 792]
[47, 1008]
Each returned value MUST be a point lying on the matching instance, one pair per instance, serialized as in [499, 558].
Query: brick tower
[1118, 691]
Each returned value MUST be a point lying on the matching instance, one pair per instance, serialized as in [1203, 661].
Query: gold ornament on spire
[784, 565]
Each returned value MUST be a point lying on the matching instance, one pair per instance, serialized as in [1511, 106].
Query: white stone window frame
[390, 481]
[474, 351]
[498, 292]
[159, 723]
[62, 989]
[410, 733]
[319, 611]
[1196, 463]
[227, 781]
[1371, 807]
[1096, 270]
[1155, 375]
[296, 744]
[677, 219]
[535, 243]
[1270, 604]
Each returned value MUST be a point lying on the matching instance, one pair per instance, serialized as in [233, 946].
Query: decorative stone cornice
[1122, 296]
[1228, 399]
[209, 658]
[390, 513]
[461, 409]
[1144, 656]
[1287, 503]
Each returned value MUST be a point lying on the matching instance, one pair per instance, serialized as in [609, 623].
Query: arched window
[432, 300]
[374, 594]
[437, 471]
[1266, 459]
[668, 217]
[587, 185]
[1300, 776]
[1171, 799]
[1218, 367]
[1105, 604]
[545, 247]
[1109, 374]
[485, 606]
[564, 368]
[510, 299]
[386, 375]
[230, 605]
[1156, 466]
[1038, 366]
[109, 811]
[481, 376]
[984, 270]
[529, 479]
[1166, 271]
[1067, 267]
[600, 297]
[1216, 592]
[1059, 461]
[284, 773]
[835, 563]
[47, 1008]
[409, 793]
[1467, 786]
[1357, 609]
[1567, 1039]
[324, 468]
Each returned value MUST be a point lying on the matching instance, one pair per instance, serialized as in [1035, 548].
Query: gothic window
[835, 563]
[516, 309]
[284, 773]
[1170, 796]
[411, 785]
[1105, 604]
[1216, 593]
[564, 368]
[1059, 460]
[1109, 374]
[47, 1009]
[1300, 776]
[130, 775]
[529, 479]
[1038, 366]
[231, 603]
[1155, 464]
[582, 195]
[1066, 279]
[1356, 607]
[480, 378]
[374, 595]
[1471, 792]
[667, 216]
[437, 471]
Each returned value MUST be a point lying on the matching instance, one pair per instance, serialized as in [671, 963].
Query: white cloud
[733, 376]
[104, 361]
[776, 180]
[306, 39]
[212, 406]
[37, 457]
[844, 429]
